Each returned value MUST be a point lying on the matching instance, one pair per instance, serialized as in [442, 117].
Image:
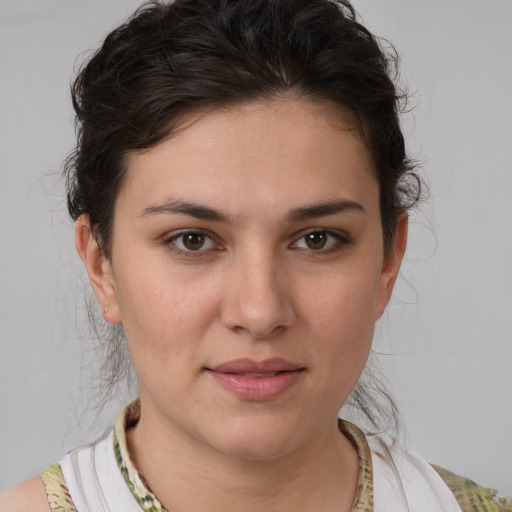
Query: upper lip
[246, 365]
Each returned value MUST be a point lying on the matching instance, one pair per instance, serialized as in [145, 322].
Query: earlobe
[98, 268]
[391, 265]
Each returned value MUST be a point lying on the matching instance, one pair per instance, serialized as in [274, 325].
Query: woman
[240, 190]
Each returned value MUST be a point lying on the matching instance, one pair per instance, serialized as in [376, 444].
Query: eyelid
[169, 241]
[341, 236]
[342, 239]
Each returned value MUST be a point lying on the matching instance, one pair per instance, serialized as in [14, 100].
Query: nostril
[258, 332]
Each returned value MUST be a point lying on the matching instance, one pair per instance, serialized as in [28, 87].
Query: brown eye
[193, 241]
[322, 241]
[316, 240]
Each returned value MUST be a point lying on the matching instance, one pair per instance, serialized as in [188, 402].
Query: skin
[29, 496]
[255, 289]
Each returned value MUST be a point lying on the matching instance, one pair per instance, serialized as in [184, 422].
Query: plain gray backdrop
[446, 341]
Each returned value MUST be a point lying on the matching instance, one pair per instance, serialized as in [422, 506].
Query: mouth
[257, 381]
[252, 368]
[254, 374]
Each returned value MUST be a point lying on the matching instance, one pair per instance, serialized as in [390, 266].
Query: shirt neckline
[130, 415]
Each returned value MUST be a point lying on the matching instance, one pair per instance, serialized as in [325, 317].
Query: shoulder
[471, 496]
[30, 496]
[401, 477]
[400, 472]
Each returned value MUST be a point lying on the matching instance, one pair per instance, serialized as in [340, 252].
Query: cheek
[346, 304]
[342, 318]
[163, 314]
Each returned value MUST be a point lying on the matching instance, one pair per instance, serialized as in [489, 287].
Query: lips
[257, 381]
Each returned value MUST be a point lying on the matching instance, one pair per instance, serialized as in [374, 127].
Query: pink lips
[256, 381]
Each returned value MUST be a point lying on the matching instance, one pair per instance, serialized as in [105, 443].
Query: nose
[258, 298]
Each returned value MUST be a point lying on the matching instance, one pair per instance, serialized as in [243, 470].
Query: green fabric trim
[364, 494]
[145, 501]
[471, 496]
[149, 503]
[145, 498]
[57, 492]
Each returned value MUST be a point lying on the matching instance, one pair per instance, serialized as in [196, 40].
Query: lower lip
[257, 389]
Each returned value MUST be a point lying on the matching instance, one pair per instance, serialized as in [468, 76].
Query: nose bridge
[258, 299]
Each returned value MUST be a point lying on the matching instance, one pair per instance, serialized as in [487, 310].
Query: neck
[187, 475]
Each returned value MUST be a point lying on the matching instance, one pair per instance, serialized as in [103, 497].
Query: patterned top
[149, 502]
[470, 496]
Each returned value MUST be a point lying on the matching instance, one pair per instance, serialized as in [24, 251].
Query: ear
[391, 265]
[98, 268]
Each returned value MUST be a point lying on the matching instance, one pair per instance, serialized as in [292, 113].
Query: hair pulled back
[169, 59]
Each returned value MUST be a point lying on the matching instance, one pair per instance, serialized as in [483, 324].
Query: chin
[250, 449]
[256, 439]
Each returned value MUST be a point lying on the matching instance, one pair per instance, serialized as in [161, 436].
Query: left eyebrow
[323, 209]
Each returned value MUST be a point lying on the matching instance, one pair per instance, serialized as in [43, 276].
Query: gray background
[446, 339]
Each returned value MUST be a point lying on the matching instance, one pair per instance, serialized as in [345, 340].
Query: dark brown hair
[173, 58]
[170, 59]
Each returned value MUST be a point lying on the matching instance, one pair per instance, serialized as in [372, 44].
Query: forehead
[273, 152]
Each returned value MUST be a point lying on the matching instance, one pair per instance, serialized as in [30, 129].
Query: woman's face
[248, 272]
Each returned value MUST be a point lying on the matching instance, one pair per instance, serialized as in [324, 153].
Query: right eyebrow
[173, 206]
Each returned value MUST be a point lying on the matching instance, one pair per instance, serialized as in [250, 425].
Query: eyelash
[340, 240]
[170, 242]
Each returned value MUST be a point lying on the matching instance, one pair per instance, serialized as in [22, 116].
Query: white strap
[398, 473]
[94, 480]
